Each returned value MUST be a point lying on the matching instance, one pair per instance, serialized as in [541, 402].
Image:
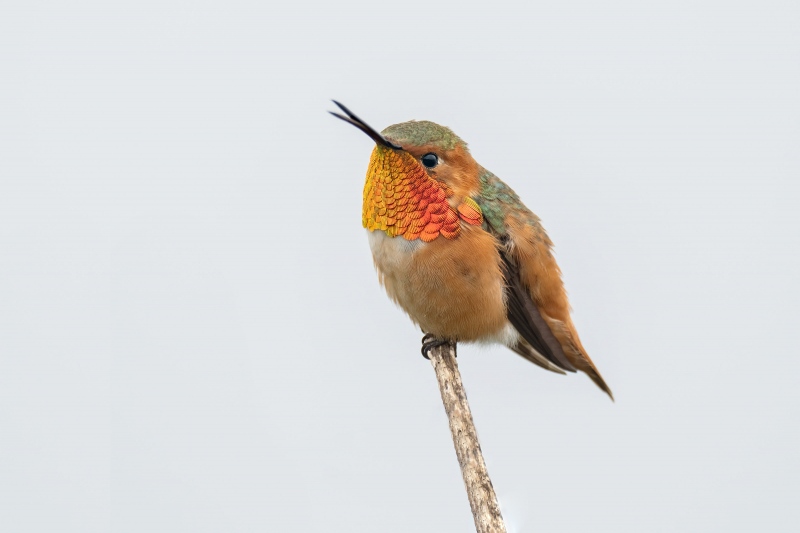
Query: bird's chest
[392, 255]
[449, 287]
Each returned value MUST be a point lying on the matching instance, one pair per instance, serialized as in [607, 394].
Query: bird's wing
[527, 320]
[525, 350]
[538, 343]
[537, 304]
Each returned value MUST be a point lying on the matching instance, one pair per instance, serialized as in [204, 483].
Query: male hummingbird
[460, 253]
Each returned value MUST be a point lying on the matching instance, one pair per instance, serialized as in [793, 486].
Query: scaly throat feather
[401, 199]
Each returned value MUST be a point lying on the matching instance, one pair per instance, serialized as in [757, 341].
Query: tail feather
[595, 376]
[573, 349]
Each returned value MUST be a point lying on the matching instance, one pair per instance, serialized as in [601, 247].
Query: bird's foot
[431, 341]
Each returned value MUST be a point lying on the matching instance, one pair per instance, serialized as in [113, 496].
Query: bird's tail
[595, 376]
[575, 352]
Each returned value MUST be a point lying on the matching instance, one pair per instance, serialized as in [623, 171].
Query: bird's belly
[451, 288]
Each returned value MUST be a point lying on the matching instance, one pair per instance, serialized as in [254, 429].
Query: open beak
[360, 124]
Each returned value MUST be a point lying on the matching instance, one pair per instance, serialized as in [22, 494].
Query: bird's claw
[431, 341]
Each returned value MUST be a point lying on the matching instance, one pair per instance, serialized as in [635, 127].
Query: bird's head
[417, 148]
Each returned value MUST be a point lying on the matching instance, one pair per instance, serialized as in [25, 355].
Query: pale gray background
[192, 337]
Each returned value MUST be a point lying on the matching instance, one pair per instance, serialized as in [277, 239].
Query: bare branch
[482, 498]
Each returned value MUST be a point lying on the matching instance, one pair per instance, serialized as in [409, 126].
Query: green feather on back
[497, 201]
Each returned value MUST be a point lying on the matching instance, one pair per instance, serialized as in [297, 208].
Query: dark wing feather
[524, 349]
[527, 320]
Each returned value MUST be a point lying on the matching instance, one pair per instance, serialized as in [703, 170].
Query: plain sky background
[192, 336]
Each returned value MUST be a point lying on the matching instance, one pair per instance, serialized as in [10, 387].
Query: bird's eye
[430, 160]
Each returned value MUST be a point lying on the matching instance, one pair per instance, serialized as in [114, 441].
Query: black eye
[430, 160]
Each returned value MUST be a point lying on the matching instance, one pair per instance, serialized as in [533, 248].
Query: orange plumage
[473, 263]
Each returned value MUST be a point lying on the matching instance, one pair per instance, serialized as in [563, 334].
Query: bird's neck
[401, 199]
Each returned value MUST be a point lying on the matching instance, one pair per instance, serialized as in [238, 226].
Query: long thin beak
[360, 124]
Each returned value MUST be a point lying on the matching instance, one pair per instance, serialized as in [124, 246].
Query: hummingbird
[459, 252]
